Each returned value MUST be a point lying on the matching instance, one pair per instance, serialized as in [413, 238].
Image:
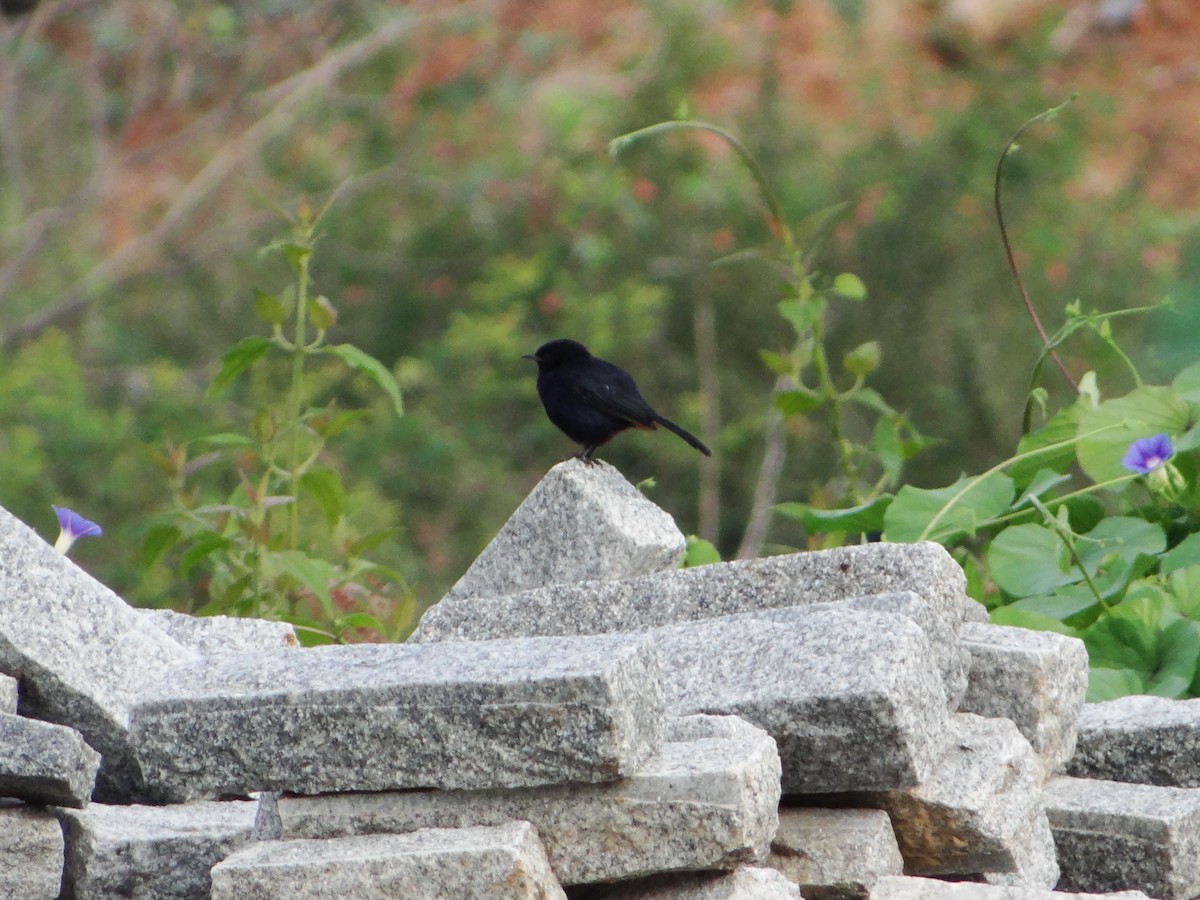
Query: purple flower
[73, 526]
[1147, 454]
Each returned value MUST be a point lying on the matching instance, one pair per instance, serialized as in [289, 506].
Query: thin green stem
[1068, 538]
[296, 402]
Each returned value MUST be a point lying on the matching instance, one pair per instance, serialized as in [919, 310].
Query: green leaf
[850, 286]
[700, 553]
[238, 359]
[1023, 618]
[1045, 446]
[863, 359]
[1183, 591]
[315, 574]
[802, 314]
[322, 313]
[362, 620]
[1045, 480]
[863, 519]
[226, 439]
[203, 545]
[1178, 653]
[776, 362]
[1106, 432]
[324, 485]
[371, 367]
[1122, 642]
[797, 402]
[159, 539]
[1031, 559]
[1109, 684]
[269, 308]
[1069, 602]
[370, 541]
[1185, 553]
[1187, 383]
[918, 514]
[1124, 536]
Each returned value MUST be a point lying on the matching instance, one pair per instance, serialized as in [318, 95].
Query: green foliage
[1091, 529]
[261, 522]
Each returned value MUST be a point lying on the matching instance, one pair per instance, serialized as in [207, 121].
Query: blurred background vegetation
[145, 146]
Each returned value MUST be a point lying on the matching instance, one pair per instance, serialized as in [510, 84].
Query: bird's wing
[618, 396]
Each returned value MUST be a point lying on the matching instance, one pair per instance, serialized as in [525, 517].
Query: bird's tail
[683, 433]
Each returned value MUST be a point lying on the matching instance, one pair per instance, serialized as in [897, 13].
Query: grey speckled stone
[151, 851]
[1151, 740]
[835, 854]
[743, 883]
[796, 579]
[391, 716]
[503, 862]
[901, 888]
[974, 812]
[707, 801]
[82, 654]
[219, 635]
[581, 522]
[31, 852]
[1115, 836]
[1035, 856]
[852, 698]
[8, 694]
[45, 763]
[705, 592]
[1036, 678]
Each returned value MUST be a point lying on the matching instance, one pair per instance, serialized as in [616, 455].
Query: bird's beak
[532, 356]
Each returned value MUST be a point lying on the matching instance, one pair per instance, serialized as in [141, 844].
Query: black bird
[592, 400]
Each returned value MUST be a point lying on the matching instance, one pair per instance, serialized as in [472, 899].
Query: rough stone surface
[503, 862]
[1036, 678]
[973, 813]
[743, 883]
[904, 888]
[45, 763]
[8, 694]
[151, 851]
[1116, 836]
[851, 698]
[31, 852]
[1151, 740]
[1036, 858]
[387, 716]
[835, 854]
[581, 522]
[709, 800]
[220, 635]
[703, 592]
[81, 653]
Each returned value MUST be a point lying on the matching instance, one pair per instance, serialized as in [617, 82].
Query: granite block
[707, 801]
[1150, 740]
[387, 716]
[835, 854]
[31, 852]
[45, 763]
[974, 812]
[702, 592]
[1037, 679]
[81, 653]
[151, 851]
[502, 862]
[1118, 836]
[581, 522]
[220, 635]
[8, 694]
[895, 887]
[852, 698]
[743, 883]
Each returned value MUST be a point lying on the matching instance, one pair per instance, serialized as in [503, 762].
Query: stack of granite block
[577, 718]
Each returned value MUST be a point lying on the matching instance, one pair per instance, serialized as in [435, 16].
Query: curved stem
[1008, 252]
